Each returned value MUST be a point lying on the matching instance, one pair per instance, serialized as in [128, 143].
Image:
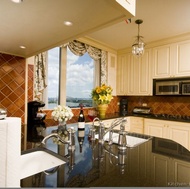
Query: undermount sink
[132, 141]
[38, 160]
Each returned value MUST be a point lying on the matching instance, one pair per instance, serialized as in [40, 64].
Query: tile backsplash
[174, 105]
[12, 93]
[12, 85]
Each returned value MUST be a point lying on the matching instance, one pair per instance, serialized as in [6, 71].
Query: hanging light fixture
[138, 45]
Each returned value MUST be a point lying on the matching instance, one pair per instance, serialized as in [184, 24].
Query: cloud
[71, 58]
[53, 72]
[80, 70]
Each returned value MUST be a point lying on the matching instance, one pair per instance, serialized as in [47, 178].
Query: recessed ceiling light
[22, 47]
[68, 23]
[17, 1]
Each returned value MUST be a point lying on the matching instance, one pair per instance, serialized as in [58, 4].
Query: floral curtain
[79, 48]
[40, 77]
[103, 68]
[76, 47]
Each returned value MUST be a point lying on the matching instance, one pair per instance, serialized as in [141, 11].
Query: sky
[79, 74]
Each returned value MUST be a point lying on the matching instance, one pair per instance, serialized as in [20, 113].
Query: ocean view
[70, 104]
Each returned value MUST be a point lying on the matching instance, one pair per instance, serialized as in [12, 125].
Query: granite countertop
[151, 116]
[98, 165]
[51, 122]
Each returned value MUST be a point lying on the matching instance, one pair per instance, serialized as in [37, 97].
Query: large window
[80, 76]
[80, 79]
[53, 63]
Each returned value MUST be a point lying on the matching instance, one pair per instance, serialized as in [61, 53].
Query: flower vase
[62, 131]
[102, 110]
[61, 127]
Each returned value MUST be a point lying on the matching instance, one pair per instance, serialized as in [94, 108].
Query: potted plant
[102, 96]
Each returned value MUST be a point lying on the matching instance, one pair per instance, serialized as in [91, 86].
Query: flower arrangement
[62, 113]
[62, 134]
[102, 94]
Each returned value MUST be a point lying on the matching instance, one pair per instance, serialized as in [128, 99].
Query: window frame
[62, 77]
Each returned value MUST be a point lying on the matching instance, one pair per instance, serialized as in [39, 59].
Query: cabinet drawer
[134, 120]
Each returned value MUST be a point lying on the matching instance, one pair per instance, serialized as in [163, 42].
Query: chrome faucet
[101, 132]
[70, 142]
[101, 129]
[92, 130]
[95, 119]
[122, 141]
[116, 122]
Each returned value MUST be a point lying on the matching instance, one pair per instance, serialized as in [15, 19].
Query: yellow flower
[102, 98]
[98, 90]
[109, 97]
[103, 87]
[109, 89]
[102, 94]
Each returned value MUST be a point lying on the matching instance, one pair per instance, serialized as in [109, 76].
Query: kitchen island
[156, 162]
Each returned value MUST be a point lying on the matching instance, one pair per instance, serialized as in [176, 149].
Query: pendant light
[138, 45]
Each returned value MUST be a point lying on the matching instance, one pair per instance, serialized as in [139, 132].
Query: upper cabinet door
[112, 68]
[139, 75]
[172, 60]
[122, 75]
[134, 75]
[161, 61]
[182, 67]
[144, 75]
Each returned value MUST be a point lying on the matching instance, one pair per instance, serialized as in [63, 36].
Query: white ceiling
[38, 24]
[161, 19]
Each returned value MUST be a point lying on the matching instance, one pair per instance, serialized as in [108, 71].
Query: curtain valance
[78, 48]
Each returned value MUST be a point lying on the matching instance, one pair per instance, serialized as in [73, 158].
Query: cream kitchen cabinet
[122, 75]
[155, 128]
[139, 75]
[161, 165]
[175, 172]
[176, 131]
[171, 60]
[134, 75]
[162, 61]
[136, 124]
[181, 173]
[182, 67]
[179, 132]
[111, 71]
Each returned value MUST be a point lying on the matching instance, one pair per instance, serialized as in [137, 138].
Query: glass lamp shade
[138, 49]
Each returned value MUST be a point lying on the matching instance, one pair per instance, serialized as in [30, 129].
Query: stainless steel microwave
[171, 87]
[185, 88]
